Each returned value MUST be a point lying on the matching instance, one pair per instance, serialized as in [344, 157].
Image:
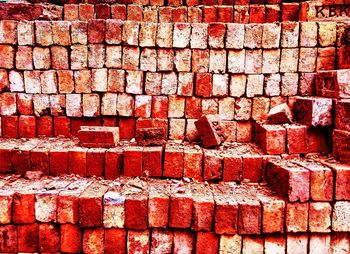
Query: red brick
[21, 159]
[115, 241]
[226, 212]
[180, 207]
[173, 161]
[113, 163]
[210, 14]
[212, 166]
[202, 246]
[96, 31]
[58, 161]
[27, 126]
[152, 161]
[183, 241]
[249, 217]
[44, 126]
[7, 56]
[136, 211]
[241, 14]
[233, 168]
[204, 84]
[257, 14]
[96, 136]
[342, 110]
[9, 30]
[113, 31]
[95, 162]
[296, 138]
[118, 11]
[8, 104]
[77, 161]
[134, 13]
[28, 238]
[320, 217]
[158, 205]
[159, 107]
[93, 240]
[24, 56]
[10, 126]
[216, 33]
[289, 180]
[180, 14]
[39, 158]
[62, 126]
[71, 12]
[25, 104]
[290, 11]
[150, 136]
[272, 214]
[165, 15]
[193, 160]
[203, 208]
[207, 126]
[65, 81]
[325, 59]
[102, 11]
[272, 13]
[49, 238]
[343, 57]
[90, 205]
[317, 140]
[8, 239]
[5, 159]
[133, 161]
[162, 241]
[297, 217]
[200, 63]
[252, 168]
[193, 107]
[70, 238]
[341, 145]
[271, 138]
[127, 127]
[138, 241]
[225, 14]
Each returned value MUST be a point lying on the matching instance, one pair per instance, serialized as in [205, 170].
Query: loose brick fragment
[207, 127]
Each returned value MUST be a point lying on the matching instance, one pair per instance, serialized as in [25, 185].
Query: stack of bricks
[57, 75]
[158, 216]
[163, 65]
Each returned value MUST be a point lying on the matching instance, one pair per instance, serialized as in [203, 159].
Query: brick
[134, 82]
[225, 14]
[296, 138]
[130, 33]
[199, 36]
[148, 60]
[114, 211]
[203, 208]
[319, 243]
[86, 12]
[183, 241]
[71, 12]
[116, 80]
[210, 106]
[235, 36]
[95, 161]
[148, 34]
[271, 36]
[181, 36]
[193, 163]
[113, 31]
[243, 109]
[93, 240]
[253, 244]
[180, 208]
[138, 241]
[25, 33]
[289, 59]
[158, 205]
[96, 31]
[208, 126]
[7, 54]
[182, 60]
[217, 63]
[255, 85]
[226, 106]
[159, 107]
[297, 243]
[216, 34]
[8, 104]
[173, 161]
[152, 160]
[10, 126]
[276, 244]
[24, 57]
[96, 55]
[237, 85]
[136, 210]
[325, 59]
[8, 236]
[252, 167]
[49, 239]
[165, 60]
[230, 243]
[327, 33]
[200, 60]
[153, 83]
[339, 242]
[60, 33]
[177, 129]
[28, 238]
[308, 34]
[43, 33]
[169, 83]
[164, 35]
[332, 83]
[16, 81]
[280, 114]
[79, 55]
[91, 105]
[291, 175]
[271, 60]
[290, 34]
[271, 138]
[90, 205]
[161, 241]
[133, 161]
[27, 126]
[201, 243]
[320, 217]
[102, 11]
[44, 126]
[297, 217]
[340, 216]
[79, 32]
[313, 111]
[4, 81]
[260, 108]
[115, 241]
[253, 61]
[307, 60]
[185, 86]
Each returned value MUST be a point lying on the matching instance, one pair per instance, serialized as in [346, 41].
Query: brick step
[138, 204]
[56, 156]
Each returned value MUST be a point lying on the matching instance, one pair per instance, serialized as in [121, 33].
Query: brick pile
[165, 98]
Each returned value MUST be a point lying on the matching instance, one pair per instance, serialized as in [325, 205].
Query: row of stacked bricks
[193, 11]
[175, 72]
[154, 216]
